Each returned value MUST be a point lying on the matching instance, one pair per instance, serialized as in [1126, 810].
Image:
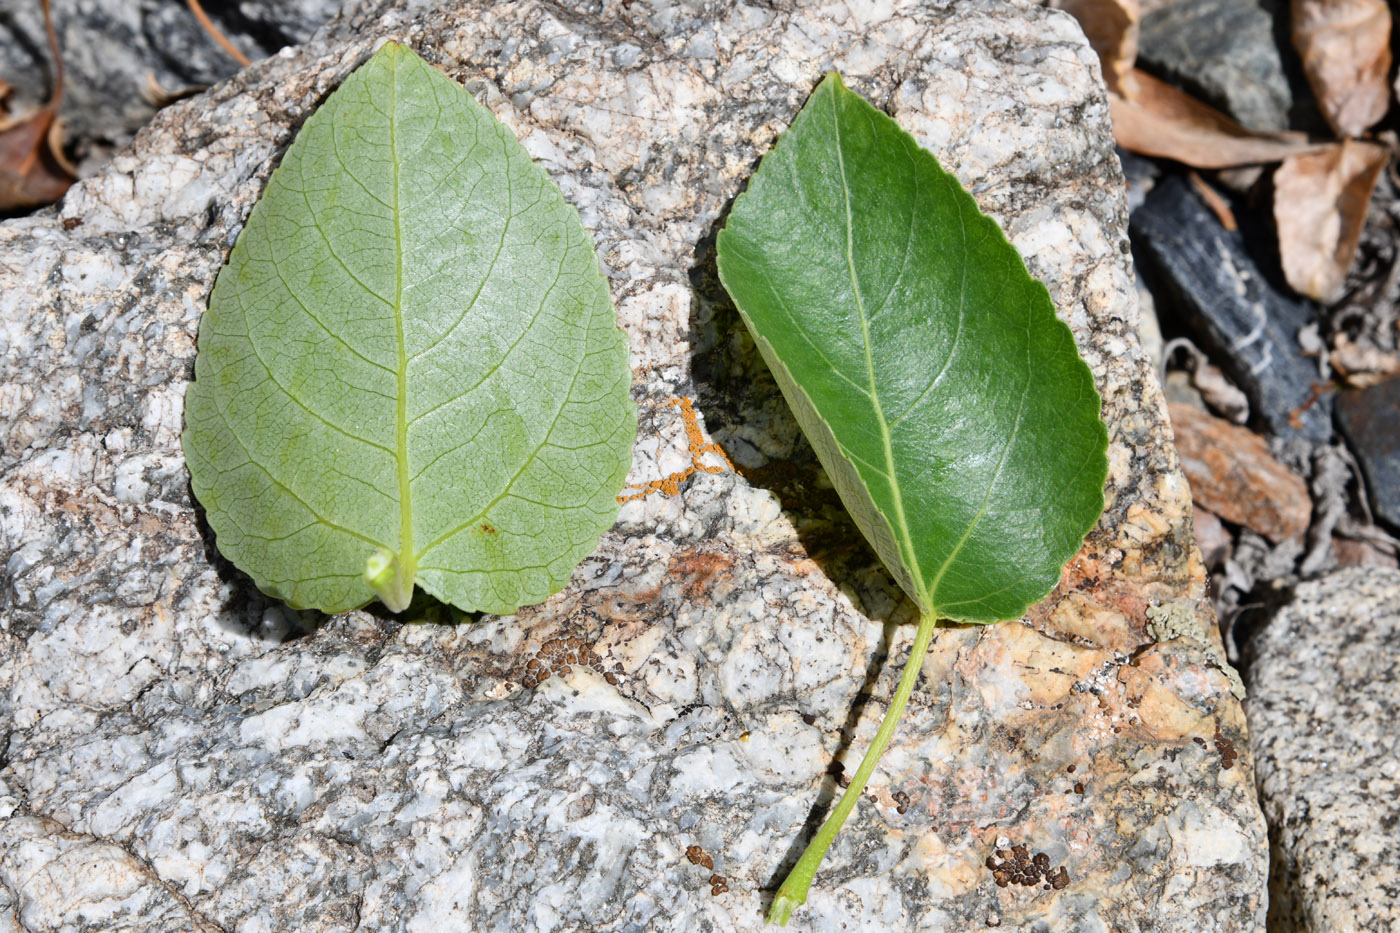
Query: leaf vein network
[529, 460]
[957, 333]
[797, 326]
[282, 486]
[1011, 437]
[481, 286]
[277, 268]
[505, 354]
[902, 529]
[316, 223]
[304, 407]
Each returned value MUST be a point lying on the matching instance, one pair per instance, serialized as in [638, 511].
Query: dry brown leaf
[31, 175]
[1345, 47]
[1232, 473]
[1163, 121]
[1320, 204]
[1111, 26]
[33, 171]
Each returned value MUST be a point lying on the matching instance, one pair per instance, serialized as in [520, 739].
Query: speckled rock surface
[1322, 711]
[213, 761]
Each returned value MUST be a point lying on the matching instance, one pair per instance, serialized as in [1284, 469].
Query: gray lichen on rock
[1180, 618]
[728, 638]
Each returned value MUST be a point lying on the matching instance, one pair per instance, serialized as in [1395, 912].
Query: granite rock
[1322, 706]
[1224, 51]
[227, 764]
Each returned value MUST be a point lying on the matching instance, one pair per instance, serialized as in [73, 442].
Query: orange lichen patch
[698, 448]
[697, 569]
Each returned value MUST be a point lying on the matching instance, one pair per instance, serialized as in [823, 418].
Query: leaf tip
[832, 81]
[394, 51]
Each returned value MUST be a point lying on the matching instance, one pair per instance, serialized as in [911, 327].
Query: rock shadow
[745, 413]
[834, 784]
[249, 612]
[748, 417]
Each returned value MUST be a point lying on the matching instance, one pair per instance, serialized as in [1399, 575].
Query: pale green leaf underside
[943, 396]
[411, 362]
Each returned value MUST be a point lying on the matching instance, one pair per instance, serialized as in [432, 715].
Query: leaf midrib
[908, 543]
[406, 557]
[924, 596]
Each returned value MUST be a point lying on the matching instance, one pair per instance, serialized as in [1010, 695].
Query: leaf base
[783, 906]
[390, 579]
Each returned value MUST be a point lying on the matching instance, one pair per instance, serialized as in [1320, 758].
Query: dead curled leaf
[1320, 201]
[1345, 47]
[33, 171]
[1111, 26]
[1322, 189]
[1165, 122]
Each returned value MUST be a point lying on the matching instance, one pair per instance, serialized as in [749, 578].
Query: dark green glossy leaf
[410, 371]
[945, 399]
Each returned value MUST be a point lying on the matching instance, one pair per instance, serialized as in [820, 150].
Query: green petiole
[793, 893]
